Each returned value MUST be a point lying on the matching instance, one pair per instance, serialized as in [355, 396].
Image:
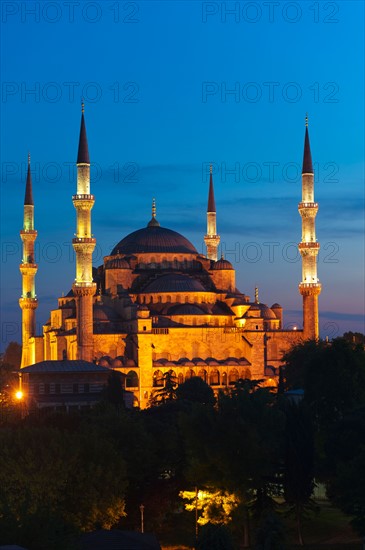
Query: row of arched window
[214, 378]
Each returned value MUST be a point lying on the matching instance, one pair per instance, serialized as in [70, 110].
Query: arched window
[224, 379]
[203, 374]
[233, 376]
[180, 378]
[248, 374]
[186, 299]
[131, 380]
[214, 378]
[157, 379]
[190, 374]
[168, 298]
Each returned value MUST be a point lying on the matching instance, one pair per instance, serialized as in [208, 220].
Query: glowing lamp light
[19, 395]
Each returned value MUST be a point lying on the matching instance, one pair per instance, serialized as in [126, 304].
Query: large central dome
[154, 238]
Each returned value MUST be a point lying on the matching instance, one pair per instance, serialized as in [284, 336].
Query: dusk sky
[168, 88]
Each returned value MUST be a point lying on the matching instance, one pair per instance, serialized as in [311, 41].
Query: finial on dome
[222, 256]
[153, 208]
[256, 295]
[153, 222]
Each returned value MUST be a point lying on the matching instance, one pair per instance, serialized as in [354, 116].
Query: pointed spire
[153, 222]
[28, 187]
[256, 295]
[307, 157]
[83, 153]
[211, 200]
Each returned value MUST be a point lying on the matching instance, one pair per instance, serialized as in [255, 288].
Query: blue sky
[168, 88]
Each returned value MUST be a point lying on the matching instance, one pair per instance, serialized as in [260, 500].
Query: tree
[196, 390]
[13, 355]
[356, 338]
[48, 473]
[167, 392]
[236, 447]
[214, 537]
[332, 376]
[298, 462]
[345, 452]
[114, 391]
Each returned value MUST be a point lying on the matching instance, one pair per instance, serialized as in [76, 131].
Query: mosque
[157, 305]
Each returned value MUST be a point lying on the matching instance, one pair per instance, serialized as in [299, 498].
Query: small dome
[174, 282]
[142, 307]
[105, 361]
[266, 312]
[104, 313]
[222, 264]
[198, 361]
[117, 263]
[276, 306]
[255, 307]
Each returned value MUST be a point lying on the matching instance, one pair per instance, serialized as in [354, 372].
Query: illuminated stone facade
[156, 304]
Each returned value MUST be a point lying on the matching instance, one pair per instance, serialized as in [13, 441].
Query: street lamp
[142, 517]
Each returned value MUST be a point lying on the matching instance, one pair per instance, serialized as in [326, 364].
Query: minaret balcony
[28, 303]
[308, 245]
[30, 232]
[83, 240]
[302, 205]
[83, 197]
[310, 288]
[28, 266]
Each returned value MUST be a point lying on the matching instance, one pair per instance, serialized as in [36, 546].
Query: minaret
[310, 287]
[84, 288]
[211, 239]
[28, 268]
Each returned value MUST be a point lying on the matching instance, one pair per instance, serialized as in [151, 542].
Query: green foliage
[12, 355]
[332, 376]
[167, 392]
[196, 390]
[113, 393]
[270, 533]
[214, 537]
[346, 462]
[78, 479]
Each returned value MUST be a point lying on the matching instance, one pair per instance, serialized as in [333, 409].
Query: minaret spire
[84, 244]
[28, 268]
[307, 156]
[83, 152]
[309, 287]
[211, 238]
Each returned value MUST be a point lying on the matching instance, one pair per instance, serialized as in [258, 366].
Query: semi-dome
[174, 282]
[117, 263]
[154, 238]
[186, 309]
